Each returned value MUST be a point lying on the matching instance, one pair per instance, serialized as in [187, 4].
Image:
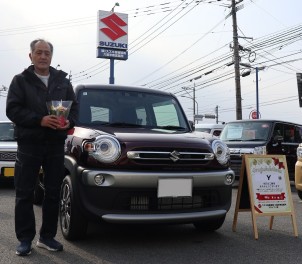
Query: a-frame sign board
[264, 189]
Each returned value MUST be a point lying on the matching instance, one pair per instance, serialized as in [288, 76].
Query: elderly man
[40, 137]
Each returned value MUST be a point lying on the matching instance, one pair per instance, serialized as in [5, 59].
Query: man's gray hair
[34, 42]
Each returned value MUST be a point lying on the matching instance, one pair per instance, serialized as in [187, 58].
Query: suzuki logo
[113, 22]
[174, 155]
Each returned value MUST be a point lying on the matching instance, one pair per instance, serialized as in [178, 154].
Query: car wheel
[73, 225]
[209, 225]
[299, 194]
[38, 192]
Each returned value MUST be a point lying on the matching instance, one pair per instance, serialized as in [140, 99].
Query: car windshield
[130, 109]
[246, 131]
[6, 132]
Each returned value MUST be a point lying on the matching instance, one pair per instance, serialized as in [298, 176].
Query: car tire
[73, 224]
[299, 194]
[209, 225]
[38, 192]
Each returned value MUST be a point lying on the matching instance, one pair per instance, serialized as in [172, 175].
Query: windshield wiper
[238, 139]
[178, 128]
[251, 139]
[123, 124]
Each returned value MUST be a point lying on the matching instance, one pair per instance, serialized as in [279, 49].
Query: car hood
[148, 140]
[162, 136]
[8, 145]
[146, 135]
[244, 144]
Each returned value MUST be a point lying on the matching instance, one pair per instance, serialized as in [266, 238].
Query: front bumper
[142, 179]
[132, 197]
[163, 218]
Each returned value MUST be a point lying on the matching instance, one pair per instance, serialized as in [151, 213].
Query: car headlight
[105, 149]
[221, 151]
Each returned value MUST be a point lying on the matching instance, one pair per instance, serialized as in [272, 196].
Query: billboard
[112, 35]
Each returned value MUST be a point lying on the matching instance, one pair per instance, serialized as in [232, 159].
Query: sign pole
[111, 78]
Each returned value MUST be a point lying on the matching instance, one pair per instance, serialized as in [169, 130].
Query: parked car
[261, 136]
[8, 151]
[213, 129]
[133, 158]
[298, 172]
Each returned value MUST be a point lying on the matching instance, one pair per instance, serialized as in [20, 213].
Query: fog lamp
[99, 179]
[229, 179]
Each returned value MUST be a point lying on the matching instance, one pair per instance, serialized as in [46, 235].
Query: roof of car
[118, 87]
[263, 120]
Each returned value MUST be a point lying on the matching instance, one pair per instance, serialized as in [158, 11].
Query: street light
[116, 4]
[257, 86]
[194, 102]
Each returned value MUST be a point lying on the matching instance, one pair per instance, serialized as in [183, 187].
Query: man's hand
[53, 122]
[66, 126]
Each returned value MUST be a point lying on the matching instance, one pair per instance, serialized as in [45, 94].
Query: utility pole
[193, 99]
[236, 63]
[216, 110]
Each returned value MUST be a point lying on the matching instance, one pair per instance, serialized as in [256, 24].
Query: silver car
[8, 151]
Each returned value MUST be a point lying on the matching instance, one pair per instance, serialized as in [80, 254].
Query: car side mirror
[192, 125]
[278, 138]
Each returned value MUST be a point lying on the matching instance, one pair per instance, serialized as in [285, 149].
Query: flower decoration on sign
[278, 163]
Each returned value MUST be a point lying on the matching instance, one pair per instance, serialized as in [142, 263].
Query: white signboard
[112, 35]
[264, 189]
[270, 192]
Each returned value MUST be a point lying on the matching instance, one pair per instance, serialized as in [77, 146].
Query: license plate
[174, 188]
[9, 172]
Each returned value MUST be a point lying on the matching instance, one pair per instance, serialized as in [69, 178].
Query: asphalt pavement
[175, 244]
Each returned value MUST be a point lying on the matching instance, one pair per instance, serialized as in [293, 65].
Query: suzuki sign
[112, 35]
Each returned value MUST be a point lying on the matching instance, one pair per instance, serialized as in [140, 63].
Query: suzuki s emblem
[114, 24]
[174, 155]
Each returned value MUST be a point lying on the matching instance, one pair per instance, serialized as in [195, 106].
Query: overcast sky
[170, 43]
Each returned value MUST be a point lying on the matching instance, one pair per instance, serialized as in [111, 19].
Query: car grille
[236, 167]
[150, 202]
[178, 157]
[8, 156]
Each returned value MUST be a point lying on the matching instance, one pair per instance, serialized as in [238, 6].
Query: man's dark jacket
[26, 106]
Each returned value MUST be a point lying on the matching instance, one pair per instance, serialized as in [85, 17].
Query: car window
[166, 114]
[130, 107]
[298, 134]
[246, 131]
[6, 132]
[286, 131]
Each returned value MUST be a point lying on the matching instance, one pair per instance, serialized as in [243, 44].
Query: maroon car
[133, 158]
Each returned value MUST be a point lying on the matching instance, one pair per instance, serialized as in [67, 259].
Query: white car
[8, 151]
[213, 129]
